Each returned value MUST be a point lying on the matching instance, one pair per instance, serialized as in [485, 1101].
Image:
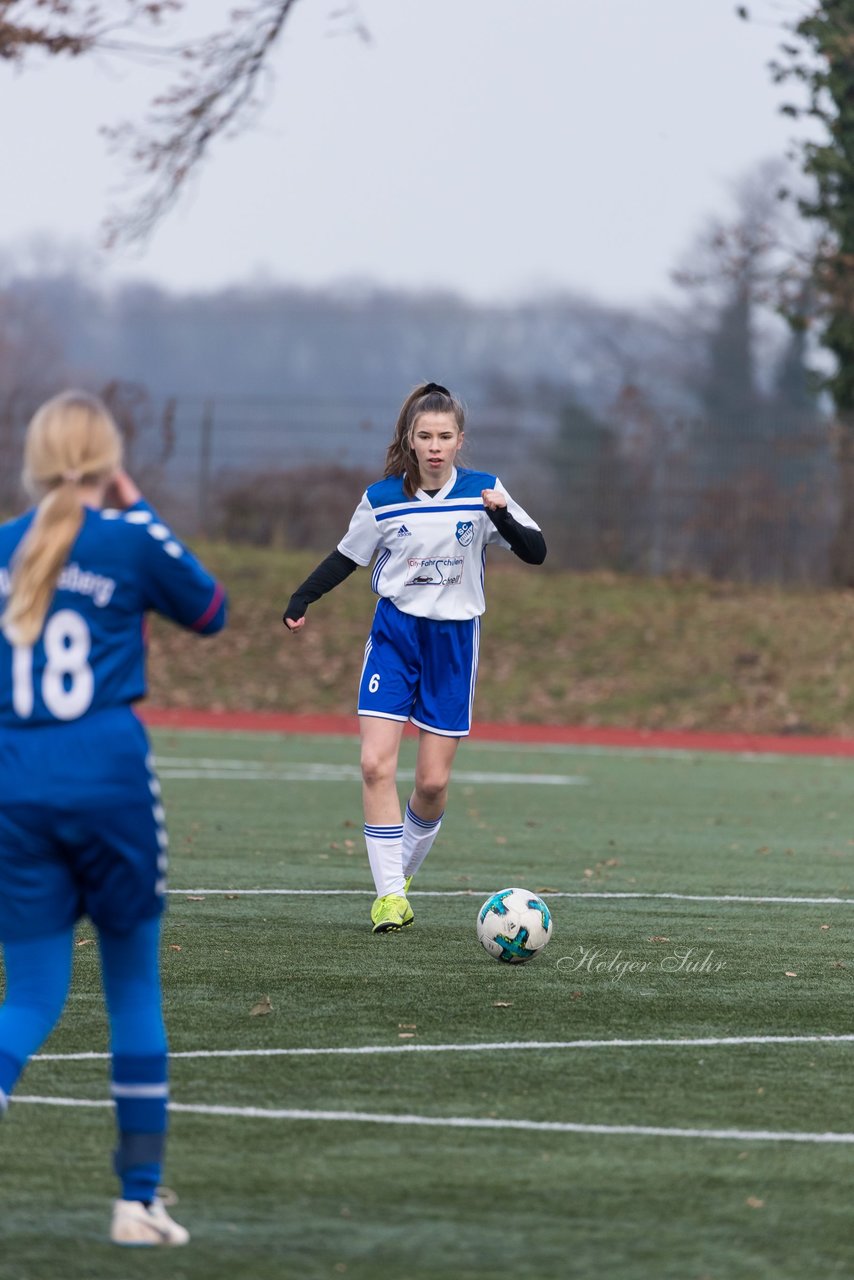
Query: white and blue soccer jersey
[432, 551]
[91, 653]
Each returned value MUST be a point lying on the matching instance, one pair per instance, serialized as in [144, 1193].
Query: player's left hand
[493, 499]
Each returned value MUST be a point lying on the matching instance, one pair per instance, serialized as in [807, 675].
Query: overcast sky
[496, 147]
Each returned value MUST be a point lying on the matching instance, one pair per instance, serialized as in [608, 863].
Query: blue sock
[131, 970]
[141, 1092]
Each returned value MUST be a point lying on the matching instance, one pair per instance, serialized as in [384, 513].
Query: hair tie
[437, 386]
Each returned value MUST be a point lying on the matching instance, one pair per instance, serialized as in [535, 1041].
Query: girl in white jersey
[428, 522]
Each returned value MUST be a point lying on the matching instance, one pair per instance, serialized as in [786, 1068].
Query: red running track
[575, 735]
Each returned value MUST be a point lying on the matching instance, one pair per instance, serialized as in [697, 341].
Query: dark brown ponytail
[400, 460]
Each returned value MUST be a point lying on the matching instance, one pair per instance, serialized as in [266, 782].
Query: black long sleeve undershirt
[328, 574]
[528, 544]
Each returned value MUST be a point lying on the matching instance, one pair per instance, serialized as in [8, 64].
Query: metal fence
[681, 497]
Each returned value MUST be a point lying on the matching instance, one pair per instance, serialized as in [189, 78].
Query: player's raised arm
[514, 525]
[122, 491]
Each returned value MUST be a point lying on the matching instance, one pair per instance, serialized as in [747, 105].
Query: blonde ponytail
[39, 561]
[71, 440]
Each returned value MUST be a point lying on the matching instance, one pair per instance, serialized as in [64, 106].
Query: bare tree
[214, 87]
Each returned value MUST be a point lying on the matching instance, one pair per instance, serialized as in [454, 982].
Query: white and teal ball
[514, 925]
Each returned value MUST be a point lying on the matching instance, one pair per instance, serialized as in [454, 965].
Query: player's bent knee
[378, 769]
[432, 789]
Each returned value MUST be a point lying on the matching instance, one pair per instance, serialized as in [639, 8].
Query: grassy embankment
[557, 647]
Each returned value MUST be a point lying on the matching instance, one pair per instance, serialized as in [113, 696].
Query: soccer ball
[514, 925]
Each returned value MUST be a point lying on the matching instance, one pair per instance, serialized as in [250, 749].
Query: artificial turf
[267, 1197]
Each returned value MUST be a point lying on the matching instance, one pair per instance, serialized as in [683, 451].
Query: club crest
[465, 532]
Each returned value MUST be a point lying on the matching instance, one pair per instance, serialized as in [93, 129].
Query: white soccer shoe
[137, 1224]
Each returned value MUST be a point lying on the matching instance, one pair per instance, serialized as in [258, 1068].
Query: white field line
[466, 1122]
[502, 1046]
[689, 754]
[545, 893]
[178, 768]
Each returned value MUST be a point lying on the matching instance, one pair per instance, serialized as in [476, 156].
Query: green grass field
[268, 1195]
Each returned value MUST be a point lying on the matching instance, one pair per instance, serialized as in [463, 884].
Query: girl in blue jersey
[81, 820]
[429, 523]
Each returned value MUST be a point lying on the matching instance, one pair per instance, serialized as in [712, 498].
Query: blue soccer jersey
[431, 550]
[90, 656]
[81, 820]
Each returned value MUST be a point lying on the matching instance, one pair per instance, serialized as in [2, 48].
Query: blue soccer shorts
[420, 669]
[55, 868]
[81, 829]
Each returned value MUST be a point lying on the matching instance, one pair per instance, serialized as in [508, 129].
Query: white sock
[385, 845]
[418, 837]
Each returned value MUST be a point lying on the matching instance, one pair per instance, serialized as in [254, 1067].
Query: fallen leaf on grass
[658, 938]
[576, 995]
[264, 1005]
[408, 1026]
[173, 946]
[83, 942]
[754, 1203]
[501, 1004]
[790, 973]
[823, 927]
[231, 896]
[406, 1035]
[191, 897]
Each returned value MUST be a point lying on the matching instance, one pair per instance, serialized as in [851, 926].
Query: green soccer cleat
[407, 882]
[391, 913]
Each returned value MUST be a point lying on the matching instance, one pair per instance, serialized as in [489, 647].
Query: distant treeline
[651, 442]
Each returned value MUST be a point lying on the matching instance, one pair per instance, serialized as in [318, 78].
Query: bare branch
[217, 90]
[215, 93]
[70, 27]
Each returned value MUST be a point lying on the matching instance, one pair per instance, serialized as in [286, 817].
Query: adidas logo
[403, 532]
